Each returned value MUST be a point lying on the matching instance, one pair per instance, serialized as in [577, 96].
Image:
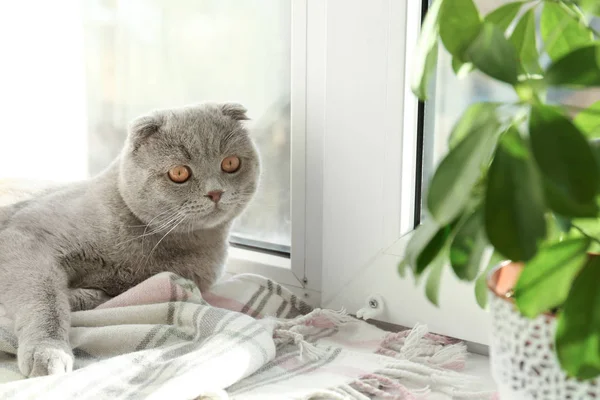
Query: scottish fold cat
[165, 204]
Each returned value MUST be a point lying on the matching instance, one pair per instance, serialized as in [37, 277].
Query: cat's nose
[214, 195]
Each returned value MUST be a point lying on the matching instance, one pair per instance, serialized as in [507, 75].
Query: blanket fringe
[327, 394]
[385, 384]
[423, 359]
[289, 331]
[420, 346]
[319, 318]
[388, 388]
[454, 384]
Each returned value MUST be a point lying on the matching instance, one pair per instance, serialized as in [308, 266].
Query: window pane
[78, 72]
[453, 96]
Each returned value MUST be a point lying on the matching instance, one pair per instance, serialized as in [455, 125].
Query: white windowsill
[237, 255]
[278, 268]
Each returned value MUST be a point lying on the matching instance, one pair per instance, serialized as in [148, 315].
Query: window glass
[74, 73]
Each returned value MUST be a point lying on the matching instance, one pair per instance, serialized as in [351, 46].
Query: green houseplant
[520, 178]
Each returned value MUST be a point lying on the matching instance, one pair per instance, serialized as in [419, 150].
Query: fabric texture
[248, 338]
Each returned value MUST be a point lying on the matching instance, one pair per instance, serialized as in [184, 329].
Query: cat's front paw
[45, 358]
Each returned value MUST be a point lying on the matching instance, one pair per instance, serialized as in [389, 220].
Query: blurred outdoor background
[74, 73]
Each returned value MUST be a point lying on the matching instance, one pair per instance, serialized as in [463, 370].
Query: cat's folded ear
[143, 127]
[235, 111]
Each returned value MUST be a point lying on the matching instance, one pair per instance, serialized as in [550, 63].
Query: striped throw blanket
[249, 338]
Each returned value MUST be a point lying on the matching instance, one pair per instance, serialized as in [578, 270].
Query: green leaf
[514, 203]
[420, 238]
[578, 69]
[481, 288]
[564, 224]
[433, 248]
[571, 177]
[502, 18]
[545, 281]
[493, 54]
[561, 202]
[432, 285]
[589, 6]
[459, 25]
[578, 325]
[588, 226]
[573, 8]
[561, 32]
[514, 144]
[595, 145]
[402, 268]
[467, 248]
[524, 40]
[427, 51]
[588, 121]
[458, 172]
[475, 118]
[554, 233]
[504, 15]
[425, 244]
[461, 68]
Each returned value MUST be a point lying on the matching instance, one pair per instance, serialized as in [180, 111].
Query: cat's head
[196, 165]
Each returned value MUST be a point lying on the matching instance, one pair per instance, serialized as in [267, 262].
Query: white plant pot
[523, 362]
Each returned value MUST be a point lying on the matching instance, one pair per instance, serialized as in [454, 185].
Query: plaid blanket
[249, 338]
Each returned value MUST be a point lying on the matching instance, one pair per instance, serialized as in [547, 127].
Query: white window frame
[369, 48]
[310, 23]
[354, 155]
[302, 271]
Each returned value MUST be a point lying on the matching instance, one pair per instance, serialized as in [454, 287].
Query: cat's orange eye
[230, 164]
[179, 174]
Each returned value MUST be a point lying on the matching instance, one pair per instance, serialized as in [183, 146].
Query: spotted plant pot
[523, 362]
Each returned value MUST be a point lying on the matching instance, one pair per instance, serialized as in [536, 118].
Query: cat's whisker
[163, 224]
[158, 229]
[147, 225]
[174, 217]
[165, 235]
[167, 211]
[153, 232]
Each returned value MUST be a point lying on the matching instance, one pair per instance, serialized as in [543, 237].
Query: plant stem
[592, 238]
[577, 17]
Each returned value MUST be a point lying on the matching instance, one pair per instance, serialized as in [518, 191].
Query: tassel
[420, 346]
[388, 383]
[326, 394]
[319, 318]
[367, 387]
[452, 357]
[425, 374]
[308, 350]
[289, 331]
[458, 386]
[411, 347]
[353, 392]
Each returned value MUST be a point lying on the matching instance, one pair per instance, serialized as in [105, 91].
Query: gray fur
[72, 247]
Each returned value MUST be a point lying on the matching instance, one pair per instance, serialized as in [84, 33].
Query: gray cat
[166, 204]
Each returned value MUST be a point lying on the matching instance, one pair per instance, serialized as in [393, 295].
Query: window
[75, 73]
